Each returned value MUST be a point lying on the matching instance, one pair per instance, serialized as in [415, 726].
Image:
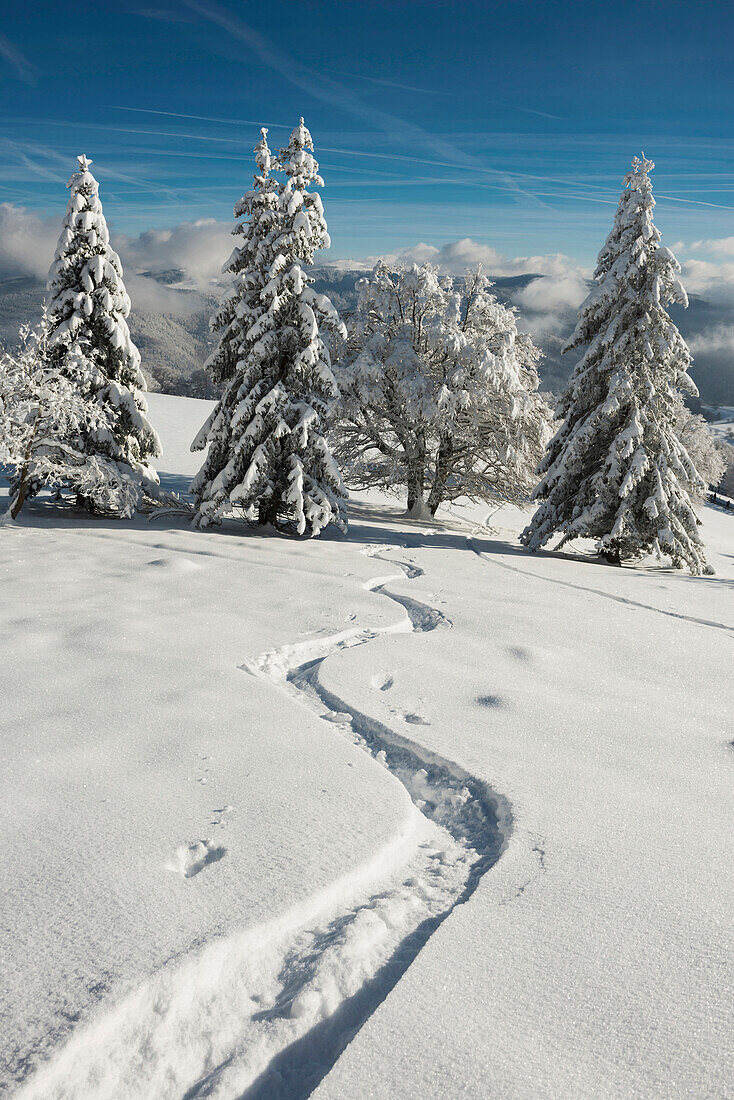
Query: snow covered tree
[616, 471]
[44, 420]
[387, 405]
[248, 267]
[706, 450]
[439, 391]
[268, 458]
[726, 485]
[87, 321]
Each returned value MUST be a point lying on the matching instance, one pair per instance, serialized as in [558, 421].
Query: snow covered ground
[522, 888]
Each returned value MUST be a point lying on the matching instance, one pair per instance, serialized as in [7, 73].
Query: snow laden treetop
[89, 338]
[616, 470]
[268, 458]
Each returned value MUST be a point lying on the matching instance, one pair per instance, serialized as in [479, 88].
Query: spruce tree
[87, 311]
[616, 471]
[43, 420]
[268, 458]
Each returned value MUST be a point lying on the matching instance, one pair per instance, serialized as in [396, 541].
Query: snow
[499, 867]
[594, 959]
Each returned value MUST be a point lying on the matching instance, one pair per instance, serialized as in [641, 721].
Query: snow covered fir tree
[268, 458]
[89, 340]
[44, 419]
[439, 392]
[616, 470]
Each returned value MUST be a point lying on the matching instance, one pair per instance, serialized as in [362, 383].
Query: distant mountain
[175, 343]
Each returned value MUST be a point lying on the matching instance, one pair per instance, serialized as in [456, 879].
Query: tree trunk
[21, 492]
[267, 513]
[19, 499]
[612, 555]
[416, 472]
[415, 489]
[443, 468]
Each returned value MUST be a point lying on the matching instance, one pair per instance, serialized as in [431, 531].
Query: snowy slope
[530, 897]
[595, 959]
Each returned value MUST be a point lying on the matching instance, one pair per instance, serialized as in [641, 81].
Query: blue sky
[510, 123]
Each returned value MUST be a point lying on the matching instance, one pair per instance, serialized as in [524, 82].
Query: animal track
[417, 720]
[220, 815]
[494, 701]
[382, 683]
[191, 858]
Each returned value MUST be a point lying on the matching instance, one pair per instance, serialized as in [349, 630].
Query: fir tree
[268, 458]
[616, 471]
[43, 421]
[87, 312]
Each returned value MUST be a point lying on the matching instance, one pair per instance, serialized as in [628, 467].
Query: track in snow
[266, 1013]
[487, 559]
[476, 821]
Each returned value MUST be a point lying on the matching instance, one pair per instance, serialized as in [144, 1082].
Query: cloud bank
[27, 242]
[196, 249]
[455, 256]
[199, 248]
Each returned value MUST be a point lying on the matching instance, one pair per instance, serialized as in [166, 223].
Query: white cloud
[717, 246]
[154, 297]
[455, 256]
[27, 242]
[555, 294]
[197, 248]
[712, 275]
[712, 280]
[719, 338]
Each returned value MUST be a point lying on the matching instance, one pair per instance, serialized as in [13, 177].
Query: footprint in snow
[175, 565]
[417, 720]
[338, 717]
[382, 683]
[191, 858]
[496, 702]
[219, 817]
